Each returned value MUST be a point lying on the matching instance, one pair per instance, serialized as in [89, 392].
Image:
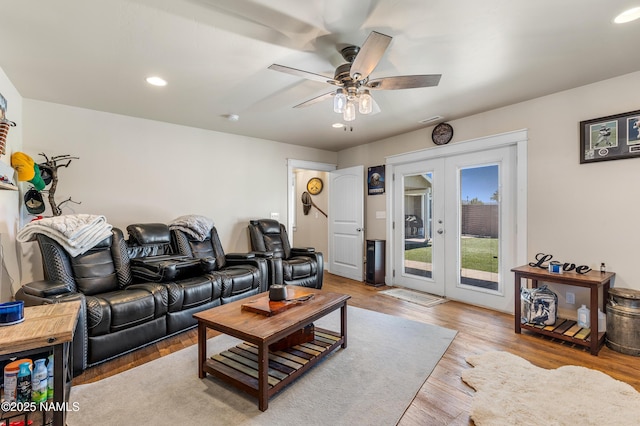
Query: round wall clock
[314, 186]
[442, 134]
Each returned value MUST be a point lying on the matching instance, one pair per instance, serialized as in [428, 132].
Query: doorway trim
[291, 186]
[517, 138]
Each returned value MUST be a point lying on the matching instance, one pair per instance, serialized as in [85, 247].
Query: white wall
[134, 170]
[9, 200]
[584, 214]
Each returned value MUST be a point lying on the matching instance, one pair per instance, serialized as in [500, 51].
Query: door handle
[359, 229]
[440, 231]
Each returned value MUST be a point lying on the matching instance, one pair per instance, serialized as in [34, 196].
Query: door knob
[440, 231]
[359, 229]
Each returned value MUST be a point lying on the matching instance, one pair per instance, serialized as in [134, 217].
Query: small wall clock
[442, 134]
[314, 186]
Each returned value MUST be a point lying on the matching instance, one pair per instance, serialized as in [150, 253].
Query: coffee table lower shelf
[238, 366]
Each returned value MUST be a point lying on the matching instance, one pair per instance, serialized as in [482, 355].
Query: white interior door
[346, 222]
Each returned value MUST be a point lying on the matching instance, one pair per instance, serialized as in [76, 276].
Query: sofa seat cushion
[299, 267]
[118, 310]
[191, 292]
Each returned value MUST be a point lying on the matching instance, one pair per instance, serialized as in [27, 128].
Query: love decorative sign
[542, 258]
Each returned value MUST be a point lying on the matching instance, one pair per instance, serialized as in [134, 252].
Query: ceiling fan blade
[404, 82]
[304, 74]
[369, 55]
[315, 100]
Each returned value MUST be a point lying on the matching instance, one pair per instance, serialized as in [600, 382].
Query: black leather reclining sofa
[137, 291]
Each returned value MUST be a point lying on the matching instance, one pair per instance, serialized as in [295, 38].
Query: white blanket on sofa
[199, 227]
[76, 233]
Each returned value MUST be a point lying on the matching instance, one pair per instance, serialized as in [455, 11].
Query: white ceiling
[215, 53]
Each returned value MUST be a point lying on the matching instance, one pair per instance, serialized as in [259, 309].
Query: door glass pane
[479, 226]
[418, 205]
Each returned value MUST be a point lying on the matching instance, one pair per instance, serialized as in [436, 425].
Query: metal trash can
[623, 321]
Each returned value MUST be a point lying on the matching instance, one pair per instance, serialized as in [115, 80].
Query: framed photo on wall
[610, 138]
[375, 180]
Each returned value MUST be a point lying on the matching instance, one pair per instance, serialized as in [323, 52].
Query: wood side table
[45, 327]
[566, 329]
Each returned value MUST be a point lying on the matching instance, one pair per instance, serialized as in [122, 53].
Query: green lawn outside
[477, 254]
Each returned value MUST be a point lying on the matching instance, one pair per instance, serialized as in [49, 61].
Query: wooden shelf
[566, 329]
[8, 186]
[239, 366]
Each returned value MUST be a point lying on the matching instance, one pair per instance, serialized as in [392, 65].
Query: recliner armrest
[303, 250]
[46, 289]
[236, 256]
[263, 254]
[207, 264]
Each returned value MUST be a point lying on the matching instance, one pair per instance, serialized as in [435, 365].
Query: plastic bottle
[602, 321]
[50, 377]
[24, 383]
[10, 382]
[39, 382]
[583, 317]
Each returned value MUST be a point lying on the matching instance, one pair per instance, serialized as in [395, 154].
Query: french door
[455, 224]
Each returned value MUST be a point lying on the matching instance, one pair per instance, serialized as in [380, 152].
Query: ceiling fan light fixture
[366, 102]
[349, 111]
[339, 101]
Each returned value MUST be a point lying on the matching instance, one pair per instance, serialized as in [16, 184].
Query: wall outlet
[571, 298]
[275, 216]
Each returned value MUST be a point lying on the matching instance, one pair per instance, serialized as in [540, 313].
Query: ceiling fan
[352, 78]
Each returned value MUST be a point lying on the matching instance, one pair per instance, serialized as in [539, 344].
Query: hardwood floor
[444, 399]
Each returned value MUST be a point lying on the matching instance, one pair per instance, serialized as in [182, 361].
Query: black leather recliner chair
[241, 274]
[288, 265]
[117, 314]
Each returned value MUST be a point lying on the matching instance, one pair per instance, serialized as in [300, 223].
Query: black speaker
[374, 274]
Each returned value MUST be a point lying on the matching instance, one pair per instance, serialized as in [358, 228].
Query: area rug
[512, 391]
[371, 382]
[413, 296]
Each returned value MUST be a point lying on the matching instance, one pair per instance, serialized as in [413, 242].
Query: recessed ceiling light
[337, 125]
[156, 81]
[628, 16]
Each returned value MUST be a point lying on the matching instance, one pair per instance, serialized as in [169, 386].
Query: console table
[45, 327]
[565, 329]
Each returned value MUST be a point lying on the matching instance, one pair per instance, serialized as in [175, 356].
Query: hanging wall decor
[610, 138]
[375, 180]
[49, 172]
[4, 125]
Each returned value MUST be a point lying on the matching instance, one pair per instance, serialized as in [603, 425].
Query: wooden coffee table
[250, 366]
